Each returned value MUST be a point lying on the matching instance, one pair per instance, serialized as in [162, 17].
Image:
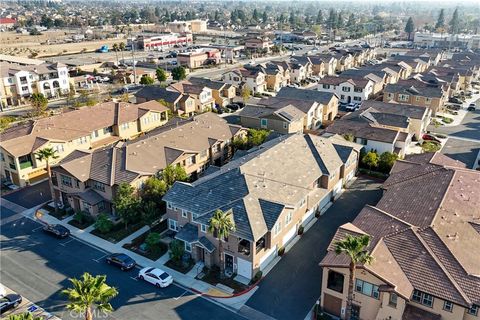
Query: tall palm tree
[115, 48]
[46, 155]
[220, 225]
[122, 46]
[356, 249]
[90, 292]
[23, 316]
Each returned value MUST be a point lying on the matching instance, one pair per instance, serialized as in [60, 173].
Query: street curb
[232, 296]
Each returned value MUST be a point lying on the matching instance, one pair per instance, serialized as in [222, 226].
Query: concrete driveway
[290, 290]
[31, 196]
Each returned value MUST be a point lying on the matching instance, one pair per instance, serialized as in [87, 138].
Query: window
[188, 247]
[98, 186]
[24, 88]
[422, 298]
[417, 296]
[428, 100]
[358, 89]
[403, 97]
[285, 125]
[184, 214]
[417, 99]
[332, 176]
[58, 148]
[77, 183]
[473, 310]
[326, 86]
[427, 300]
[263, 123]
[86, 206]
[342, 97]
[190, 161]
[448, 306]
[367, 289]
[302, 202]
[67, 181]
[107, 130]
[335, 281]
[95, 133]
[357, 98]
[277, 227]
[2, 156]
[288, 218]
[203, 228]
[346, 89]
[82, 140]
[172, 225]
[169, 205]
[393, 300]
[124, 126]
[101, 205]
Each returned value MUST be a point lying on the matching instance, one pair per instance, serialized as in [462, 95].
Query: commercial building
[447, 41]
[160, 41]
[193, 26]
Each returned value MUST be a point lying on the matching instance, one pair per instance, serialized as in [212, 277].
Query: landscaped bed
[431, 146]
[180, 266]
[212, 276]
[61, 214]
[138, 244]
[118, 232]
[447, 120]
[85, 223]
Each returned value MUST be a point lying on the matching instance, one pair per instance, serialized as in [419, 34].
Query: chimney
[116, 112]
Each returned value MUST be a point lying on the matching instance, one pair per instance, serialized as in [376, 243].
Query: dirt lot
[24, 45]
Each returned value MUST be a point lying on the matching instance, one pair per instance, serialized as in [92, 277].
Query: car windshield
[164, 276]
[149, 270]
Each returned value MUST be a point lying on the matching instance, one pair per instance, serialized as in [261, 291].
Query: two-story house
[269, 196]
[201, 94]
[425, 247]
[222, 93]
[83, 129]
[279, 118]
[178, 103]
[251, 78]
[87, 181]
[347, 89]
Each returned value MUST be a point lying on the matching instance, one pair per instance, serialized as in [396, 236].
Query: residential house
[178, 103]
[347, 89]
[19, 82]
[222, 93]
[258, 45]
[201, 94]
[323, 113]
[425, 244]
[319, 67]
[83, 129]
[378, 78]
[270, 192]
[301, 69]
[344, 61]
[403, 69]
[283, 119]
[330, 64]
[418, 93]
[199, 57]
[251, 78]
[88, 181]
[277, 75]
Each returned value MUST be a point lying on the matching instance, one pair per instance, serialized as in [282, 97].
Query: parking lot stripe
[98, 259]
[180, 295]
[134, 278]
[36, 229]
[67, 242]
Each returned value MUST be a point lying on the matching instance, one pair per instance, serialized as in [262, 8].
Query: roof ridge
[418, 175]
[391, 216]
[114, 165]
[445, 271]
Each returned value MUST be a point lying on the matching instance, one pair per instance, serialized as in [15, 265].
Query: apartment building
[222, 93]
[252, 78]
[201, 94]
[283, 119]
[270, 192]
[347, 89]
[84, 129]
[425, 243]
[258, 45]
[87, 181]
[19, 82]
[179, 103]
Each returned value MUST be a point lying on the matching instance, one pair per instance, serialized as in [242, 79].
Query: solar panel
[285, 115]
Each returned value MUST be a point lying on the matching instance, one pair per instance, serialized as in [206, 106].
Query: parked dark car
[430, 138]
[472, 107]
[455, 100]
[121, 261]
[455, 107]
[57, 230]
[233, 107]
[240, 104]
[10, 301]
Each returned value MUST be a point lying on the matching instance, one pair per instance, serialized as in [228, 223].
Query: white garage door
[350, 175]
[289, 236]
[244, 268]
[337, 188]
[325, 200]
[308, 216]
[268, 257]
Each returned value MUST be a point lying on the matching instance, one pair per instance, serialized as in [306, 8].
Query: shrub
[317, 214]
[103, 223]
[177, 249]
[281, 251]
[300, 230]
[257, 276]
[152, 240]
[441, 136]
[79, 217]
[387, 159]
[447, 120]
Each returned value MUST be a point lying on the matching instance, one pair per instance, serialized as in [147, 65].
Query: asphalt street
[38, 267]
[291, 289]
[31, 196]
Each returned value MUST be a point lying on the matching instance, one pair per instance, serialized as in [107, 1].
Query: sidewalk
[185, 280]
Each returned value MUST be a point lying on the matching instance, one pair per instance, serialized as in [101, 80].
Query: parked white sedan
[156, 276]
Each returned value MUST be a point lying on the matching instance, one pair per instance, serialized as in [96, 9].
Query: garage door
[268, 257]
[325, 200]
[289, 236]
[337, 188]
[308, 216]
[350, 175]
[332, 305]
[244, 268]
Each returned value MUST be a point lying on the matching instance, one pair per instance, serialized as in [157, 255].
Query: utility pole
[133, 61]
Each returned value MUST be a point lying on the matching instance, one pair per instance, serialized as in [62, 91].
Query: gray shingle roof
[188, 233]
[304, 94]
[157, 93]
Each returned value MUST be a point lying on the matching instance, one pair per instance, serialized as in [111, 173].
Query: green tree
[23, 316]
[177, 249]
[5, 122]
[454, 23]
[122, 48]
[153, 190]
[115, 48]
[39, 103]
[126, 203]
[319, 19]
[292, 20]
[221, 224]
[255, 15]
[150, 212]
[152, 241]
[370, 160]
[440, 25]
[409, 28]
[257, 136]
[47, 155]
[387, 160]
[264, 17]
[179, 73]
[351, 20]
[246, 93]
[173, 173]
[90, 292]
[103, 223]
[161, 75]
[146, 80]
[356, 250]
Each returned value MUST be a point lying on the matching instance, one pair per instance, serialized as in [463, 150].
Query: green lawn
[118, 232]
[430, 146]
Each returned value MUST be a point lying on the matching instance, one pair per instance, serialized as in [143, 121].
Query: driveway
[290, 290]
[31, 196]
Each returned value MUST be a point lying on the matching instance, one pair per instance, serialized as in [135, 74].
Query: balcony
[244, 247]
[260, 244]
[26, 164]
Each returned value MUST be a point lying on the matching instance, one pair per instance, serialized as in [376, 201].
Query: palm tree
[23, 316]
[115, 48]
[122, 46]
[46, 155]
[356, 249]
[90, 292]
[220, 225]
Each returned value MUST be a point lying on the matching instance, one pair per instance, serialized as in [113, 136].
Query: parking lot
[38, 266]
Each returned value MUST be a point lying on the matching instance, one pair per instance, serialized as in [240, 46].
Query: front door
[355, 312]
[201, 254]
[228, 263]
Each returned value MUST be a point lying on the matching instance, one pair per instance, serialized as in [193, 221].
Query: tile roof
[414, 313]
[304, 94]
[157, 93]
[407, 110]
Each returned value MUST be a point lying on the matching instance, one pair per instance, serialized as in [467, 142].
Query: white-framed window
[448, 306]
[288, 218]
[277, 227]
[417, 99]
[357, 98]
[263, 123]
[169, 205]
[203, 228]
[428, 100]
[393, 300]
[285, 125]
[172, 225]
[473, 310]
[124, 126]
[98, 186]
[67, 181]
[184, 213]
[59, 148]
[403, 97]
[346, 89]
[326, 86]
[417, 296]
[82, 140]
[367, 289]
[422, 298]
[188, 246]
